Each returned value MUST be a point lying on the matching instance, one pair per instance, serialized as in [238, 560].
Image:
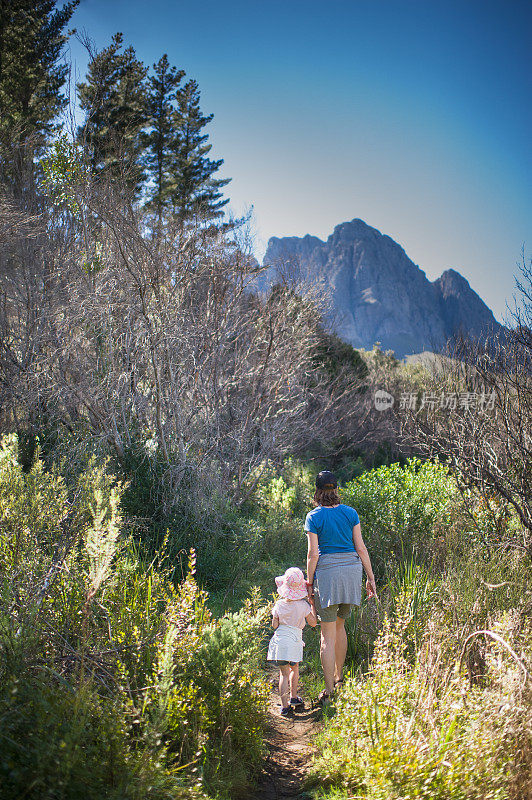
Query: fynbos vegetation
[162, 422]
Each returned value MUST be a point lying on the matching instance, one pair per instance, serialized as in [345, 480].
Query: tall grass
[424, 721]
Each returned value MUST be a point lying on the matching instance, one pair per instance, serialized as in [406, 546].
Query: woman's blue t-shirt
[334, 528]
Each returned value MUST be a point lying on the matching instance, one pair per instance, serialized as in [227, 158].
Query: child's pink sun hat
[291, 585]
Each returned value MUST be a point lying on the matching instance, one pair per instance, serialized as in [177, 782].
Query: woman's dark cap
[326, 480]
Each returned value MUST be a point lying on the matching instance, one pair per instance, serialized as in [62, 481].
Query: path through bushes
[289, 744]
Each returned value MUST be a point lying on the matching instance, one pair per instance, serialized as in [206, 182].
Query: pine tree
[196, 191]
[162, 139]
[31, 79]
[115, 103]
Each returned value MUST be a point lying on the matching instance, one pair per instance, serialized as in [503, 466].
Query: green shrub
[394, 736]
[433, 718]
[112, 677]
[400, 509]
[32, 506]
[57, 742]
[287, 490]
[226, 672]
[278, 496]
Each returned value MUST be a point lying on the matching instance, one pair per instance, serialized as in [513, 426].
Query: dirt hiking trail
[290, 747]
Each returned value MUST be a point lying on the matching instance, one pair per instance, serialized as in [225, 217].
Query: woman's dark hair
[327, 497]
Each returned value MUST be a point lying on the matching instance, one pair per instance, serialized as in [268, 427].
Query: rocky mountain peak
[356, 228]
[451, 282]
[462, 308]
[378, 293]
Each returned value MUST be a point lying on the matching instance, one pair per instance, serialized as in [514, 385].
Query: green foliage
[225, 541]
[287, 490]
[63, 172]
[197, 191]
[234, 719]
[275, 515]
[279, 496]
[176, 148]
[337, 358]
[412, 592]
[161, 140]
[101, 537]
[113, 678]
[148, 132]
[113, 98]
[413, 727]
[57, 742]
[400, 509]
[31, 79]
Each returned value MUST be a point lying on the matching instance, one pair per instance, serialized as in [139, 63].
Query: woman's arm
[275, 623]
[362, 551]
[312, 557]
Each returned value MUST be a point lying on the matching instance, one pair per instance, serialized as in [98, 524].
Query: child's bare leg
[284, 684]
[294, 680]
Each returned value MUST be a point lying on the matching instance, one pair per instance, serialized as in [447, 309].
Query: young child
[285, 650]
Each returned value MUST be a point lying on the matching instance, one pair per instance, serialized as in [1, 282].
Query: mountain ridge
[378, 293]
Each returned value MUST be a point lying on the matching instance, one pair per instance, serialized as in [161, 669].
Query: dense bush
[58, 741]
[118, 679]
[437, 703]
[440, 715]
[401, 509]
[114, 681]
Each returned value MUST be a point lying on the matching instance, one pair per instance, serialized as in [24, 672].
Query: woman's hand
[310, 590]
[362, 551]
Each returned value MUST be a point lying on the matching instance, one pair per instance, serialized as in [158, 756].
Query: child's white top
[292, 612]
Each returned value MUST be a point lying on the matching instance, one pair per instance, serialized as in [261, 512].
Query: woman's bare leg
[327, 653]
[340, 650]
[284, 684]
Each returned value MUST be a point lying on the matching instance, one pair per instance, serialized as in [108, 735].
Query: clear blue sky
[414, 115]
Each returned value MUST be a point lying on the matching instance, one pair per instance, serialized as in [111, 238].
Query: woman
[336, 555]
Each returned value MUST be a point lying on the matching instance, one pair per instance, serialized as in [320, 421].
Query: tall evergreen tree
[31, 79]
[196, 191]
[116, 115]
[162, 139]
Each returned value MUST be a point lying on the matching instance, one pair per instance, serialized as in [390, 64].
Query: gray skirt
[338, 579]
